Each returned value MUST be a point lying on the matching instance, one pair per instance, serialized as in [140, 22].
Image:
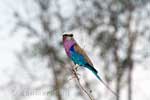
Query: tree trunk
[118, 87]
[130, 83]
[56, 81]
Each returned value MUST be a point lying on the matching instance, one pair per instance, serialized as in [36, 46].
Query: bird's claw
[76, 68]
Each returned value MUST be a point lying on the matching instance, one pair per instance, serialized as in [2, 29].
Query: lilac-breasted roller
[78, 56]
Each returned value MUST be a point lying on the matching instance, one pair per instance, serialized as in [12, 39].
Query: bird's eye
[71, 35]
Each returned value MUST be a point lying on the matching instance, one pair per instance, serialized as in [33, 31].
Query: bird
[79, 56]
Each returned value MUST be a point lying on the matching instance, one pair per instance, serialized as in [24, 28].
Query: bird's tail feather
[106, 85]
[91, 68]
[96, 74]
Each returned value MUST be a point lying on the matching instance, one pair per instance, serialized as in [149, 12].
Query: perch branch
[78, 81]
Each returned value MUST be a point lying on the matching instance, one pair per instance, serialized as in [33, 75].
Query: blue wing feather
[79, 59]
[76, 57]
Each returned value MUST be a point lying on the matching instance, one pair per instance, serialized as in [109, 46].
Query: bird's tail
[106, 85]
[96, 74]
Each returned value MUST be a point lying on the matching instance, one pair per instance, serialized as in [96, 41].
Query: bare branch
[79, 84]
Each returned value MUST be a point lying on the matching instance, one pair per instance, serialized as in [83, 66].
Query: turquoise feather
[79, 59]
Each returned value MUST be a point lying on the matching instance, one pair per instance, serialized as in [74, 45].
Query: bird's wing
[78, 49]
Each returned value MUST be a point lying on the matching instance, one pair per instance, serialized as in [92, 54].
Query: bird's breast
[67, 46]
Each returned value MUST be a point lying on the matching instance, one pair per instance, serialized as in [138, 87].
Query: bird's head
[67, 37]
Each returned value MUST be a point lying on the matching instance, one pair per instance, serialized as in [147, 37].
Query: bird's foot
[76, 68]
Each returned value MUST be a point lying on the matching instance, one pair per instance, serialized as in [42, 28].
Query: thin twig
[78, 81]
